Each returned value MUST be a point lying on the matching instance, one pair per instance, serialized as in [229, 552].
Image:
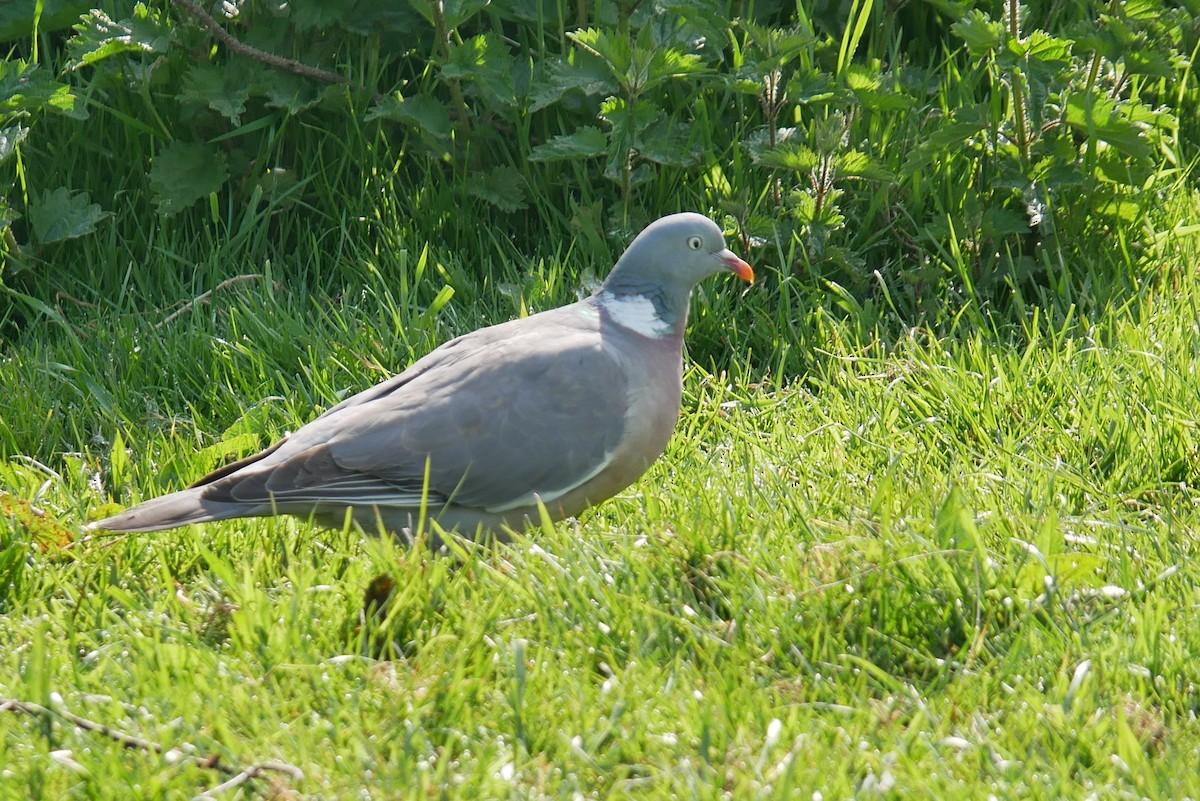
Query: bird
[559, 410]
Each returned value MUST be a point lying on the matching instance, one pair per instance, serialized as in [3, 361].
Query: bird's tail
[170, 511]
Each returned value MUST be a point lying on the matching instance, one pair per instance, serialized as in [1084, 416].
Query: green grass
[943, 566]
[926, 528]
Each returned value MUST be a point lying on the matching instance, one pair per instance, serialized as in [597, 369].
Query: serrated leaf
[10, 138]
[311, 15]
[855, 164]
[629, 119]
[1050, 50]
[503, 187]
[98, 37]
[774, 48]
[62, 214]
[792, 156]
[184, 172]
[26, 87]
[979, 32]
[222, 88]
[588, 142]
[676, 146]
[559, 76]
[638, 66]
[291, 93]
[999, 222]
[454, 12]
[811, 87]
[428, 116]
[962, 126]
[1100, 117]
[486, 65]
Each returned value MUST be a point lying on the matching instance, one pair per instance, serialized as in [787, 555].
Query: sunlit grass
[942, 566]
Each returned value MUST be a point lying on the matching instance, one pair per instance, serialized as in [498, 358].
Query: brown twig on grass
[204, 296]
[238, 775]
[288, 64]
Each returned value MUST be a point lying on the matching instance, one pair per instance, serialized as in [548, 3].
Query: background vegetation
[928, 522]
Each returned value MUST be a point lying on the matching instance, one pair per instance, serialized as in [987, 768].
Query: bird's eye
[695, 242]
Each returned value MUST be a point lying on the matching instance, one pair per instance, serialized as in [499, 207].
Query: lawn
[926, 533]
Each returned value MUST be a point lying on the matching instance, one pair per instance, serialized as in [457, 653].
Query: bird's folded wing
[496, 424]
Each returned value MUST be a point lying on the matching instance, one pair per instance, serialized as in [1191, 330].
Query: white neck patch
[635, 312]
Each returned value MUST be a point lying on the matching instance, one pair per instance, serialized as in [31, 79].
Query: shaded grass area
[945, 565]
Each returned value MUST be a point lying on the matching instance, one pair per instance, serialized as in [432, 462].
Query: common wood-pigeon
[566, 407]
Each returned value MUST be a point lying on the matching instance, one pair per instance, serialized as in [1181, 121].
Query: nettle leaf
[454, 12]
[485, 63]
[614, 51]
[1100, 117]
[559, 76]
[980, 33]
[98, 37]
[774, 48]
[25, 86]
[10, 137]
[223, 88]
[959, 129]
[855, 164]
[1049, 50]
[812, 86]
[629, 119]
[429, 117]
[792, 156]
[676, 146]
[292, 93]
[184, 172]
[588, 142]
[998, 222]
[62, 214]
[641, 66]
[503, 187]
[309, 15]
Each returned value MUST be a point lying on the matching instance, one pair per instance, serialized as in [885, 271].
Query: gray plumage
[568, 407]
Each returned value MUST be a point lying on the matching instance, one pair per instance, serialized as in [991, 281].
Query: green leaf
[25, 87]
[674, 146]
[774, 48]
[587, 142]
[626, 119]
[429, 117]
[855, 164]
[486, 65]
[312, 15]
[557, 77]
[98, 37]
[454, 12]
[184, 172]
[999, 222]
[638, 66]
[62, 214]
[793, 156]
[10, 138]
[503, 187]
[980, 32]
[1101, 118]
[964, 125]
[221, 87]
[812, 86]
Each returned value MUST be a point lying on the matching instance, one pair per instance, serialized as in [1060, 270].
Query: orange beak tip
[741, 269]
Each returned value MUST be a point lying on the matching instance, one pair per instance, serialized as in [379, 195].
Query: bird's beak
[736, 266]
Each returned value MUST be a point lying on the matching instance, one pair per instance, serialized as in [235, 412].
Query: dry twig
[288, 64]
[203, 298]
[238, 775]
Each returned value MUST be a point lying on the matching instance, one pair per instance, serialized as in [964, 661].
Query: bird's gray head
[662, 265]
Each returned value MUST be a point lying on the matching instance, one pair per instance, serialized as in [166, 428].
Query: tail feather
[174, 510]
